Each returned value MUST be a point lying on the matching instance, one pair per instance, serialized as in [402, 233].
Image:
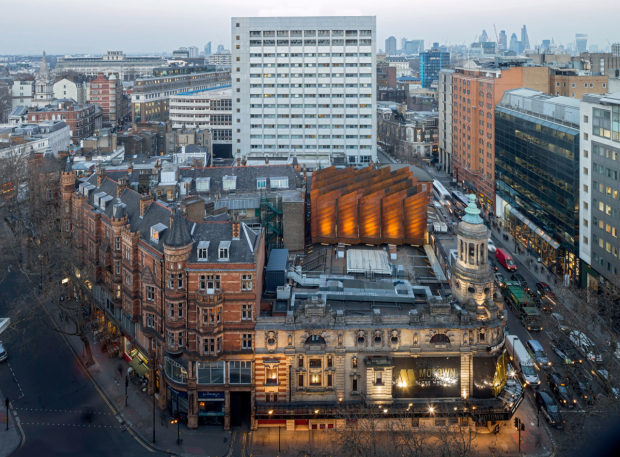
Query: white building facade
[21, 93]
[207, 109]
[65, 88]
[304, 86]
[599, 171]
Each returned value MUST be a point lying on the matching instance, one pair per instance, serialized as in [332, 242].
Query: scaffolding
[271, 220]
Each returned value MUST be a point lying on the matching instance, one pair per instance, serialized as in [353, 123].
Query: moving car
[545, 291]
[557, 317]
[491, 245]
[580, 387]
[521, 361]
[549, 408]
[538, 353]
[566, 353]
[3, 353]
[585, 346]
[505, 259]
[561, 390]
[493, 264]
[500, 279]
[521, 280]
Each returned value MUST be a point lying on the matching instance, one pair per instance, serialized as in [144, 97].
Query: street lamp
[177, 421]
[126, 386]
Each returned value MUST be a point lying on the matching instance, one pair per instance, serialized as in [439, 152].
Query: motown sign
[426, 377]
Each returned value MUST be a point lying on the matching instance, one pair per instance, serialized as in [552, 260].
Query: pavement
[9, 439]
[211, 441]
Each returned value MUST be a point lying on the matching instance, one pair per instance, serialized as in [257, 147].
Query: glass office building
[537, 175]
[430, 64]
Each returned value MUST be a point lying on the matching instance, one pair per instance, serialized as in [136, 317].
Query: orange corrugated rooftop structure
[367, 206]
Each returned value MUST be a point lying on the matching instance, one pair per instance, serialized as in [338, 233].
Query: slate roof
[246, 176]
[182, 231]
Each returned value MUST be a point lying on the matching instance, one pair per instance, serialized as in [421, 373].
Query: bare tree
[37, 244]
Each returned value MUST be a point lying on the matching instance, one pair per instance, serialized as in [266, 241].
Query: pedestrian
[120, 372]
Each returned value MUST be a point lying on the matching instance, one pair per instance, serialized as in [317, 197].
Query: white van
[522, 361]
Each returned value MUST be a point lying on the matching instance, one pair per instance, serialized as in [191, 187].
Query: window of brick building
[246, 341]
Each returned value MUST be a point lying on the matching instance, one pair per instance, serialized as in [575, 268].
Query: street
[60, 409]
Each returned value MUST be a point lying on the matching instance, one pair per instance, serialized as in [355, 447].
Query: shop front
[211, 408]
[137, 360]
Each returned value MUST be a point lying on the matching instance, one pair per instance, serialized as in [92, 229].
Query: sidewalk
[9, 439]
[209, 441]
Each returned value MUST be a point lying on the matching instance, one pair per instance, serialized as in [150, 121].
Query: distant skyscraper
[220, 48]
[545, 44]
[525, 41]
[615, 50]
[403, 42]
[503, 40]
[390, 46]
[581, 42]
[435, 45]
[193, 52]
[430, 64]
[208, 49]
[515, 45]
[484, 37]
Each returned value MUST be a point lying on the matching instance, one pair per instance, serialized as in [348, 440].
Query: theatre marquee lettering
[426, 377]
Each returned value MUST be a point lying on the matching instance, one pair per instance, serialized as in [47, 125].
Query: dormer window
[224, 250]
[229, 183]
[156, 232]
[279, 183]
[261, 183]
[203, 250]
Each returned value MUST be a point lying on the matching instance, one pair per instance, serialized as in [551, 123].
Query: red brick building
[182, 295]
[108, 94]
[79, 118]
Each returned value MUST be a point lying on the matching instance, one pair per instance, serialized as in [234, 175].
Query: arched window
[315, 339]
[440, 338]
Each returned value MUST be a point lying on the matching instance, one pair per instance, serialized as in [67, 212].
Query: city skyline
[141, 39]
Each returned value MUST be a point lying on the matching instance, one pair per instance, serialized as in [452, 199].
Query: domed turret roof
[472, 213]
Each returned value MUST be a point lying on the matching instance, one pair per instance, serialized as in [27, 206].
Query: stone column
[227, 409]
[466, 374]
[192, 395]
[161, 401]
[253, 421]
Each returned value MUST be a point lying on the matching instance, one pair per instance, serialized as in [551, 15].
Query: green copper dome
[472, 213]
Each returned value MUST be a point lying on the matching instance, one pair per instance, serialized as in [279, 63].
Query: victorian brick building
[182, 295]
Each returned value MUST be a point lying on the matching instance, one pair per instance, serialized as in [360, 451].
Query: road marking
[61, 411]
[16, 381]
[74, 425]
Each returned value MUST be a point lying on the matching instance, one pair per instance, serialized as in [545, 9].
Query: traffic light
[516, 421]
[522, 427]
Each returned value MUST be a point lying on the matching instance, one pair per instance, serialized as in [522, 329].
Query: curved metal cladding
[367, 206]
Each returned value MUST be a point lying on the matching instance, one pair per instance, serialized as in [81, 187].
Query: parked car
[560, 390]
[580, 387]
[585, 346]
[538, 353]
[500, 279]
[521, 280]
[549, 408]
[559, 320]
[491, 245]
[3, 353]
[505, 259]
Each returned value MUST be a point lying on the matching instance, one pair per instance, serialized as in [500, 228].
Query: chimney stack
[145, 202]
[121, 186]
[101, 176]
[236, 230]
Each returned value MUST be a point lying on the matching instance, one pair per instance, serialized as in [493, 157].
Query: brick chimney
[121, 186]
[236, 229]
[244, 161]
[238, 161]
[145, 202]
[101, 177]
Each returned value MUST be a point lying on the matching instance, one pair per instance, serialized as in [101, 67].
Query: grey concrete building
[444, 95]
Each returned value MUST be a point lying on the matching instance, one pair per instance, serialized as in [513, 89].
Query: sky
[149, 26]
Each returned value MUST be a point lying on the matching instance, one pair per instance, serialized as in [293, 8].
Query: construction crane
[496, 36]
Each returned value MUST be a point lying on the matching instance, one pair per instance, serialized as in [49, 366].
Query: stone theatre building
[387, 343]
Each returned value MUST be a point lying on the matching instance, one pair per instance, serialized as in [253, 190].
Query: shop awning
[536, 229]
[139, 367]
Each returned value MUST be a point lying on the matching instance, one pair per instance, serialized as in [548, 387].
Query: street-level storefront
[211, 407]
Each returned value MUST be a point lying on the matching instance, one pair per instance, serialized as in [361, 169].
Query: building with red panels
[79, 118]
[368, 206]
[178, 296]
[108, 94]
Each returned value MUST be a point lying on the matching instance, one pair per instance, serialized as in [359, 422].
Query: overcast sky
[78, 26]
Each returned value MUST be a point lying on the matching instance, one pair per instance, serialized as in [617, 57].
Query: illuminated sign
[426, 377]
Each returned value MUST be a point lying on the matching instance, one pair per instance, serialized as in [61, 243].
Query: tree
[364, 431]
[594, 312]
[38, 246]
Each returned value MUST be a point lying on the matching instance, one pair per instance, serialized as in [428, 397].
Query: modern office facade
[390, 46]
[599, 170]
[128, 68]
[431, 63]
[444, 95]
[581, 42]
[537, 175]
[151, 96]
[306, 87]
